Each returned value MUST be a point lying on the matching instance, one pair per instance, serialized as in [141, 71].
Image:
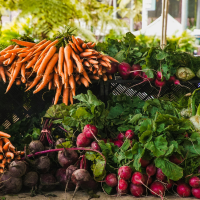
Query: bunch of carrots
[7, 152]
[58, 67]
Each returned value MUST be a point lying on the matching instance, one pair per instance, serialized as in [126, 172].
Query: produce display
[125, 146]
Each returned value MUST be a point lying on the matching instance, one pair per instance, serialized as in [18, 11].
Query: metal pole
[198, 15]
[144, 15]
[131, 18]
[184, 14]
[115, 9]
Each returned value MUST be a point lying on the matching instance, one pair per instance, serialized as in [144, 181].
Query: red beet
[137, 190]
[95, 145]
[67, 158]
[111, 180]
[114, 68]
[124, 172]
[129, 134]
[124, 70]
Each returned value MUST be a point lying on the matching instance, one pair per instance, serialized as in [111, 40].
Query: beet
[157, 188]
[183, 190]
[95, 146]
[67, 158]
[129, 134]
[124, 172]
[124, 70]
[194, 182]
[196, 192]
[159, 175]
[17, 168]
[90, 131]
[9, 184]
[50, 154]
[35, 146]
[47, 182]
[59, 141]
[137, 190]
[111, 180]
[82, 140]
[30, 179]
[42, 164]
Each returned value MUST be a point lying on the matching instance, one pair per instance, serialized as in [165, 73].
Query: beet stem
[63, 129]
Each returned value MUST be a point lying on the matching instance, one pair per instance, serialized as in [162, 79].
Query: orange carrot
[9, 155]
[1, 157]
[18, 82]
[44, 83]
[65, 99]
[92, 56]
[86, 63]
[15, 50]
[11, 148]
[55, 69]
[41, 47]
[39, 61]
[92, 45]
[34, 83]
[23, 54]
[60, 60]
[49, 46]
[6, 146]
[94, 62]
[41, 42]
[84, 82]
[63, 78]
[58, 93]
[71, 97]
[32, 62]
[6, 49]
[90, 69]
[95, 71]
[10, 59]
[68, 52]
[23, 43]
[46, 59]
[66, 77]
[15, 74]
[50, 85]
[105, 78]
[8, 160]
[8, 55]
[96, 66]
[4, 161]
[103, 63]
[77, 77]
[85, 54]
[2, 74]
[80, 41]
[37, 54]
[110, 76]
[72, 82]
[99, 56]
[105, 58]
[89, 43]
[94, 77]
[73, 46]
[6, 135]
[79, 82]
[89, 50]
[26, 58]
[86, 76]
[78, 62]
[56, 80]
[23, 70]
[112, 59]
[2, 166]
[1, 146]
[77, 44]
[84, 46]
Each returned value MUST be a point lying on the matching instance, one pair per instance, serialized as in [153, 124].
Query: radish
[143, 162]
[157, 188]
[82, 140]
[183, 190]
[121, 192]
[169, 184]
[111, 180]
[159, 76]
[175, 160]
[90, 131]
[146, 180]
[145, 77]
[129, 134]
[114, 68]
[118, 143]
[159, 84]
[95, 145]
[137, 178]
[137, 190]
[120, 136]
[122, 185]
[196, 192]
[172, 79]
[194, 182]
[124, 172]
[151, 170]
[159, 175]
[124, 70]
[136, 71]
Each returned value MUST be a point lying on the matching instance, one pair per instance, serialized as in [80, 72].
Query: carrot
[65, 99]
[58, 93]
[6, 146]
[8, 160]
[71, 97]
[99, 56]
[9, 61]
[73, 46]
[84, 82]
[104, 58]
[23, 54]
[41, 42]
[105, 78]
[68, 52]
[77, 44]
[56, 80]
[23, 70]
[89, 50]
[77, 77]
[11, 148]
[94, 62]
[95, 71]
[2, 166]
[23, 80]
[112, 59]
[104, 70]
[39, 61]
[46, 59]
[78, 62]
[9, 155]
[14, 75]
[86, 76]
[90, 69]
[6, 135]
[1, 146]
[37, 54]
[92, 45]
[63, 78]
[96, 66]
[50, 85]
[8, 55]
[85, 54]
[84, 46]
[44, 83]
[6, 49]
[2, 74]
[4, 161]
[88, 44]
[51, 65]
[26, 58]
[80, 41]
[92, 57]
[86, 63]
[1, 157]
[18, 82]
[103, 63]
[79, 82]
[72, 82]
[60, 60]
[7, 73]
[94, 77]
[18, 157]
[108, 64]
[34, 83]
[23, 43]
[32, 62]
[15, 50]
[49, 46]
[41, 47]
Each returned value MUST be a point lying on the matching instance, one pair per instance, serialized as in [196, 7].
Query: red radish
[105, 140]
[183, 190]
[90, 131]
[124, 172]
[111, 180]
[145, 77]
[137, 190]
[137, 178]
[169, 184]
[194, 182]
[176, 160]
[120, 136]
[121, 192]
[159, 84]
[82, 140]
[136, 71]
[146, 181]
[114, 68]
[123, 185]
[172, 79]
[196, 192]
[143, 162]
[159, 175]
[129, 134]
[157, 188]
[159, 76]
[95, 145]
[118, 143]
[150, 170]
[124, 70]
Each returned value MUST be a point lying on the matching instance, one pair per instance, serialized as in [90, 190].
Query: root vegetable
[157, 188]
[47, 182]
[122, 185]
[35, 146]
[111, 180]
[196, 192]
[120, 136]
[159, 175]
[124, 70]
[42, 164]
[118, 143]
[30, 179]
[144, 163]
[94, 145]
[90, 131]
[183, 190]
[124, 172]
[67, 158]
[151, 170]
[194, 182]
[129, 134]
[82, 140]
[137, 178]
[17, 168]
[137, 190]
